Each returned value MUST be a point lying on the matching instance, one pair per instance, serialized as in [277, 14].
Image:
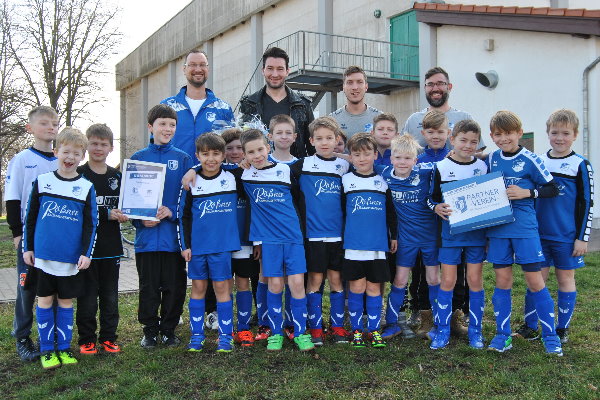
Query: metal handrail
[324, 52]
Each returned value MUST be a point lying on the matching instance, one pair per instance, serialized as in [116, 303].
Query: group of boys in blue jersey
[328, 215]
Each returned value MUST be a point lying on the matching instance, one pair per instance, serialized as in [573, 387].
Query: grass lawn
[405, 369]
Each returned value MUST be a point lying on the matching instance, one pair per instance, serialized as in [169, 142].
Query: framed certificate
[477, 202]
[142, 185]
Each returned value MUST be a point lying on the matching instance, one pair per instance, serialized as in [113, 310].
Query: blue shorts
[216, 266]
[283, 259]
[453, 255]
[558, 255]
[519, 250]
[406, 256]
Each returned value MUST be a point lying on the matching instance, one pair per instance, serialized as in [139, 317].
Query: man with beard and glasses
[437, 92]
[198, 111]
[356, 116]
[276, 98]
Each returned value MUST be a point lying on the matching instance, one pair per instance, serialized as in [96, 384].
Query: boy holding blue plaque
[564, 221]
[161, 268]
[526, 179]
[461, 164]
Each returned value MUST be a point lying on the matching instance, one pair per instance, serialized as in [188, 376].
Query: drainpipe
[586, 134]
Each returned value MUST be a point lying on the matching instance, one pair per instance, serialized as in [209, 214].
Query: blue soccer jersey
[368, 208]
[64, 207]
[208, 215]
[276, 161]
[273, 215]
[449, 170]
[569, 215]
[320, 182]
[417, 225]
[242, 208]
[527, 171]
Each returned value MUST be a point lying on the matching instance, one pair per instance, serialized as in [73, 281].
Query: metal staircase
[317, 61]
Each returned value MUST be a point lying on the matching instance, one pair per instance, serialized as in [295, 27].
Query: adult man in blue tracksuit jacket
[198, 109]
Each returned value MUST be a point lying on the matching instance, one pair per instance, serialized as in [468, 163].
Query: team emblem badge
[461, 204]
[224, 183]
[76, 190]
[173, 164]
[113, 183]
[377, 183]
[518, 165]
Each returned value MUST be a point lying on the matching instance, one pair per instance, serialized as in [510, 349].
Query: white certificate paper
[142, 187]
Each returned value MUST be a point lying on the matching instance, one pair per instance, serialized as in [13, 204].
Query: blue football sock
[261, 303]
[374, 312]
[566, 306]
[502, 302]
[197, 308]
[355, 309]
[243, 301]
[64, 327]
[315, 313]
[45, 321]
[336, 300]
[225, 312]
[531, 318]
[274, 305]
[433, 295]
[545, 311]
[395, 299]
[298, 311]
[287, 318]
[444, 308]
[476, 306]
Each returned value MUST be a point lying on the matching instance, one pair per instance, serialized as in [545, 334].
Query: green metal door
[404, 29]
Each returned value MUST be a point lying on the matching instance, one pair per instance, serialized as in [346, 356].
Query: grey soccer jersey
[352, 124]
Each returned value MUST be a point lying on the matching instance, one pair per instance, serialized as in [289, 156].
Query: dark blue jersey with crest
[569, 215]
[320, 182]
[417, 225]
[273, 215]
[449, 170]
[526, 170]
[208, 214]
[61, 218]
[369, 212]
[242, 206]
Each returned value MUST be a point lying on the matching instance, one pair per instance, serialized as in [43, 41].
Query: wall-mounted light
[488, 79]
[377, 13]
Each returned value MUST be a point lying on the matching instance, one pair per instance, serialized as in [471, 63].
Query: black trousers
[419, 290]
[101, 286]
[163, 282]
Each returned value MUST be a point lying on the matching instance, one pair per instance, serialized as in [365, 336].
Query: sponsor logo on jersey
[352, 186]
[255, 174]
[476, 172]
[48, 186]
[173, 164]
[315, 166]
[325, 186]
[212, 206]
[377, 183]
[338, 167]
[52, 209]
[31, 166]
[564, 166]
[451, 175]
[461, 204]
[360, 203]
[416, 180]
[561, 190]
[280, 174]
[113, 183]
[262, 195]
[511, 180]
[518, 165]
[76, 190]
[409, 196]
[368, 127]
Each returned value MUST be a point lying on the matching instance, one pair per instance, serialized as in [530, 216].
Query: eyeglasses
[194, 66]
[431, 85]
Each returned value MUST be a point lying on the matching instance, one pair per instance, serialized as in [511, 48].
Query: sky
[138, 20]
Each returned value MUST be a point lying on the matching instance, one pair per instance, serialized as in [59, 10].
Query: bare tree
[62, 51]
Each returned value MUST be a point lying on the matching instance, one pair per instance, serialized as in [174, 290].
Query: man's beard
[197, 84]
[271, 86]
[439, 102]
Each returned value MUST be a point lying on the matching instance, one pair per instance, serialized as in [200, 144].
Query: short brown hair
[100, 131]
[362, 141]
[281, 119]
[161, 111]
[506, 121]
[210, 141]
[251, 135]
[434, 119]
[385, 117]
[231, 134]
[466, 125]
[72, 136]
[325, 122]
[436, 70]
[41, 110]
[564, 117]
[353, 69]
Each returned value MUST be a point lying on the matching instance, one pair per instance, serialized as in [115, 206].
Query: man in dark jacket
[276, 98]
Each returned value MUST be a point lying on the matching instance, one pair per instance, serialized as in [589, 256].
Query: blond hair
[563, 117]
[435, 119]
[72, 136]
[406, 144]
[325, 122]
[506, 121]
